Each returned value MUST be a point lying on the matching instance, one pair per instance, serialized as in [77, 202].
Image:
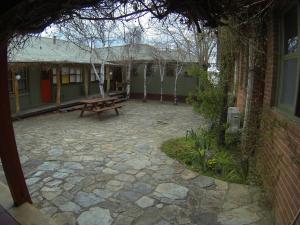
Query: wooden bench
[115, 107]
[100, 105]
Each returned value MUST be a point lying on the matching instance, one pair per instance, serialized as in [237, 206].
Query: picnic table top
[97, 100]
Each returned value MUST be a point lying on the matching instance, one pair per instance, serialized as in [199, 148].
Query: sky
[151, 33]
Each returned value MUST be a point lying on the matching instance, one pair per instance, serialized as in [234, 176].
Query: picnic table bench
[99, 105]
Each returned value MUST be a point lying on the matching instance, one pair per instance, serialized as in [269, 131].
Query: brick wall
[280, 146]
[279, 150]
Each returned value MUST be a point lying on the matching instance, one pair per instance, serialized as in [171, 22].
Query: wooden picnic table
[99, 105]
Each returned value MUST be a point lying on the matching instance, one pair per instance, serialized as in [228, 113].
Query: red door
[46, 86]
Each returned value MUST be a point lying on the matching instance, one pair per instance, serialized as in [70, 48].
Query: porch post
[86, 77]
[16, 91]
[8, 151]
[58, 86]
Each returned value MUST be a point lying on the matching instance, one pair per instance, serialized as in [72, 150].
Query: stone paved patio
[88, 171]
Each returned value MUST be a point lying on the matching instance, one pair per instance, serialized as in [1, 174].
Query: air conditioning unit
[233, 119]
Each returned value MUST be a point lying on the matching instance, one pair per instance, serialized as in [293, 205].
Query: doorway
[46, 93]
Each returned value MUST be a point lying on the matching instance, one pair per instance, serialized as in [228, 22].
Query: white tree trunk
[145, 83]
[101, 80]
[161, 90]
[175, 89]
[128, 79]
[162, 74]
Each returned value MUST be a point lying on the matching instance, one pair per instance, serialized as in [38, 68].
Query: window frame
[62, 75]
[75, 68]
[92, 72]
[170, 66]
[25, 72]
[283, 57]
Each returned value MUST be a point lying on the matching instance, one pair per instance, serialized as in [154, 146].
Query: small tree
[92, 33]
[159, 55]
[145, 82]
[180, 56]
[132, 38]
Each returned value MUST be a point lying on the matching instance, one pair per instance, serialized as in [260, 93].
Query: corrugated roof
[45, 50]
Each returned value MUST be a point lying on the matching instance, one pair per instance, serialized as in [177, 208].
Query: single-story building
[34, 70]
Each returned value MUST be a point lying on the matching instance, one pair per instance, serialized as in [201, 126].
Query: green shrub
[199, 152]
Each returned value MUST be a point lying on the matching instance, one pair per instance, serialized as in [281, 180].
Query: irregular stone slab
[138, 164]
[68, 186]
[143, 148]
[140, 174]
[206, 218]
[149, 217]
[31, 181]
[49, 166]
[66, 218]
[204, 181]
[243, 215]
[110, 171]
[238, 194]
[103, 193]
[95, 216]
[122, 220]
[73, 165]
[54, 183]
[87, 199]
[188, 174]
[69, 207]
[171, 191]
[170, 212]
[212, 200]
[163, 222]
[55, 152]
[221, 185]
[38, 173]
[114, 185]
[60, 175]
[51, 193]
[129, 195]
[159, 206]
[142, 187]
[125, 177]
[74, 180]
[145, 202]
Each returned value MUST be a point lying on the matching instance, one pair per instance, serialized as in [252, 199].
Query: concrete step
[25, 214]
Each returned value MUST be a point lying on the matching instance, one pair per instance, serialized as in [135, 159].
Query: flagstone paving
[87, 171]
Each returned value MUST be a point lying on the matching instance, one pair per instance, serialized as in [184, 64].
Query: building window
[94, 77]
[75, 75]
[289, 88]
[134, 71]
[170, 70]
[65, 75]
[54, 80]
[150, 70]
[23, 81]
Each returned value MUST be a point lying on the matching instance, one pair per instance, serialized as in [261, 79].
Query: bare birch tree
[132, 38]
[180, 59]
[145, 82]
[94, 34]
[159, 56]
